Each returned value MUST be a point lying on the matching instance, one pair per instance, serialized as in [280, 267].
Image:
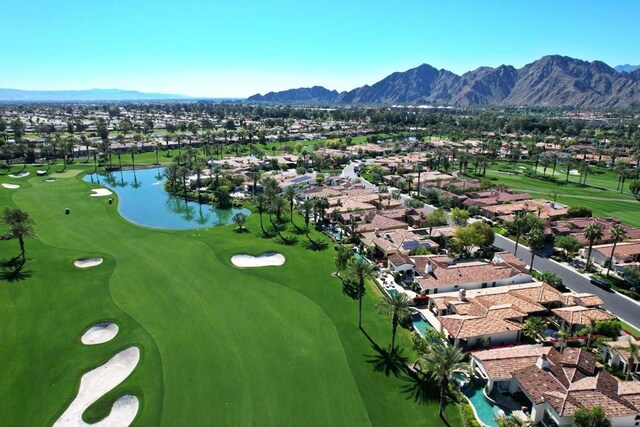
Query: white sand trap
[11, 186]
[19, 175]
[50, 180]
[264, 260]
[98, 382]
[100, 333]
[87, 262]
[41, 172]
[99, 192]
[574, 172]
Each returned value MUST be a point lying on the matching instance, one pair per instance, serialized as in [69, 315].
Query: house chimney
[543, 362]
[462, 295]
[377, 231]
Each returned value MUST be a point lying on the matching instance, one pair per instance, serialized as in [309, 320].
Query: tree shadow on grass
[316, 246]
[288, 240]
[419, 387]
[13, 270]
[350, 289]
[389, 362]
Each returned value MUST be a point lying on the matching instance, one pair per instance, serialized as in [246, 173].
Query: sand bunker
[87, 262]
[100, 333]
[41, 172]
[574, 172]
[49, 180]
[11, 186]
[19, 175]
[99, 192]
[264, 260]
[98, 382]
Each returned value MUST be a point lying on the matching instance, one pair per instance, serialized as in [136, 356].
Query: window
[484, 285]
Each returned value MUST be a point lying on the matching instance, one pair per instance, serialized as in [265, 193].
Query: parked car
[601, 284]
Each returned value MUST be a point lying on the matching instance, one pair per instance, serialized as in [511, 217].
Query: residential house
[554, 385]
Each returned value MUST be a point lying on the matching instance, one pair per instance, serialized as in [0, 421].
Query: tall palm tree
[261, 206]
[633, 356]
[535, 239]
[518, 227]
[20, 225]
[361, 270]
[592, 232]
[563, 334]
[397, 306]
[290, 194]
[308, 207]
[592, 326]
[441, 363]
[618, 232]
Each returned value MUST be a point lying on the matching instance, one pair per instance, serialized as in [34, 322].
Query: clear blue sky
[240, 47]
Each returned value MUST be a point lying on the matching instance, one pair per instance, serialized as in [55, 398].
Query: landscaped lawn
[599, 194]
[219, 345]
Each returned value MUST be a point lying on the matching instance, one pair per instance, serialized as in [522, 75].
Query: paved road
[622, 307]
[615, 303]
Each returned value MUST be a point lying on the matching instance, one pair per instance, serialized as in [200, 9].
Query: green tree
[535, 240]
[568, 243]
[239, 220]
[440, 363]
[290, 194]
[634, 187]
[397, 306]
[618, 233]
[261, 207]
[593, 232]
[591, 417]
[534, 327]
[343, 255]
[436, 218]
[360, 270]
[460, 217]
[20, 225]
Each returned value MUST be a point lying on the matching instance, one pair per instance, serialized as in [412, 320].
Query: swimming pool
[392, 292]
[486, 410]
[420, 324]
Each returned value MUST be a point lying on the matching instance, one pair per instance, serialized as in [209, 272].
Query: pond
[144, 201]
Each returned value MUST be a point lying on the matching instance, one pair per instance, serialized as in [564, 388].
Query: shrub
[609, 328]
[579, 212]
[468, 418]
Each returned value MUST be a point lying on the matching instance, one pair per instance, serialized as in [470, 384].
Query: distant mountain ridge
[626, 67]
[18, 95]
[550, 81]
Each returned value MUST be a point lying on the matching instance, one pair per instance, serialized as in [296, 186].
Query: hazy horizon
[234, 51]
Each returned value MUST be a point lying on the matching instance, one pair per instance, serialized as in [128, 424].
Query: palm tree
[592, 232]
[633, 356]
[360, 270]
[592, 326]
[397, 306]
[290, 194]
[618, 232]
[307, 207]
[240, 219]
[21, 225]
[261, 206]
[563, 334]
[535, 239]
[534, 327]
[441, 363]
[518, 227]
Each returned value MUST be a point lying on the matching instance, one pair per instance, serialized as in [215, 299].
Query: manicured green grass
[604, 201]
[268, 346]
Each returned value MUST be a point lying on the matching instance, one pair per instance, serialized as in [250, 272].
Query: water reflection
[144, 201]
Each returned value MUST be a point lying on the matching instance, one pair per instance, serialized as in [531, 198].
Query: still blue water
[419, 324]
[143, 201]
[487, 411]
